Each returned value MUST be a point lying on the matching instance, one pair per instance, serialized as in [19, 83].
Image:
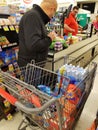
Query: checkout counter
[80, 53]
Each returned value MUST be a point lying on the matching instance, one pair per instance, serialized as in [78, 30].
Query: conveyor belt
[73, 48]
[85, 50]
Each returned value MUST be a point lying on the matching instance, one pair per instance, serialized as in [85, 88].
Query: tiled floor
[85, 120]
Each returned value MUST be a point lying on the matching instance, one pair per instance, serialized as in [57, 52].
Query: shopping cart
[42, 96]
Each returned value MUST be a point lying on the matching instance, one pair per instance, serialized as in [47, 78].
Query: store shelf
[9, 27]
[4, 112]
[8, 41]
[4, 15]
[5, 108]
[1, 26]
[9, 45]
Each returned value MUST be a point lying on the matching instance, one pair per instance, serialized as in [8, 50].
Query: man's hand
[52, 35]
[72, 30]
[68, 28]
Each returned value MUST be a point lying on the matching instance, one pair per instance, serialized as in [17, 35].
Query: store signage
[27, 1]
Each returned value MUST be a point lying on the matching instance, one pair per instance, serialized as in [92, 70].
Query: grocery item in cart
[54, 93]
[45, 89]
[75, 73]
[73, 94]
[33, 98]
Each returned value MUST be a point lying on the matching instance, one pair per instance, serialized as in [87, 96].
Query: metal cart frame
[45, 110]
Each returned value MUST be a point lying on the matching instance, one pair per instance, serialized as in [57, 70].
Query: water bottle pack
[75, 73]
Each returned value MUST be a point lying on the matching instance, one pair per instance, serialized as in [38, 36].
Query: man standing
[70, 23]
[33, 38]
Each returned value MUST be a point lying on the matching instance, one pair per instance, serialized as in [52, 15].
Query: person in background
[95, 24]
[33, 38]
[70, 23]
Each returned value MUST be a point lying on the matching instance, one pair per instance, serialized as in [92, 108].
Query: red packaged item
[73, 94]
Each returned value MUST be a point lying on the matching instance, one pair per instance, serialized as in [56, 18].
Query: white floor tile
[12, 124]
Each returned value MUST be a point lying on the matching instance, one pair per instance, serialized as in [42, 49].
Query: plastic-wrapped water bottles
[75, 73]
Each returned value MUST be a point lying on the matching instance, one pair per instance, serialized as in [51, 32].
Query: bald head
[49, 7]
[53, 2]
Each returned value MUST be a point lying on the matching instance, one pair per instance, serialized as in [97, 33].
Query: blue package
[55, 92]
[44, 89]
[48, 90]
[13, 56]
[72, 79]
[65, 37]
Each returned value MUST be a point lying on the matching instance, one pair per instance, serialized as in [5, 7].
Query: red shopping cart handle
[7, 96]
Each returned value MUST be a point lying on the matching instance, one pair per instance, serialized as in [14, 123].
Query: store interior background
[85, 4]
[91, 6]
[91, 105]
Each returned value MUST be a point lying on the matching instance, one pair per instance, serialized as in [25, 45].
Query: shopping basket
[42, 95]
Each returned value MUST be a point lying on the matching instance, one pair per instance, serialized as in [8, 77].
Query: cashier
[70, 23]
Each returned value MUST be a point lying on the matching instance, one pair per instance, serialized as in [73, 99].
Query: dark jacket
[33, 39]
